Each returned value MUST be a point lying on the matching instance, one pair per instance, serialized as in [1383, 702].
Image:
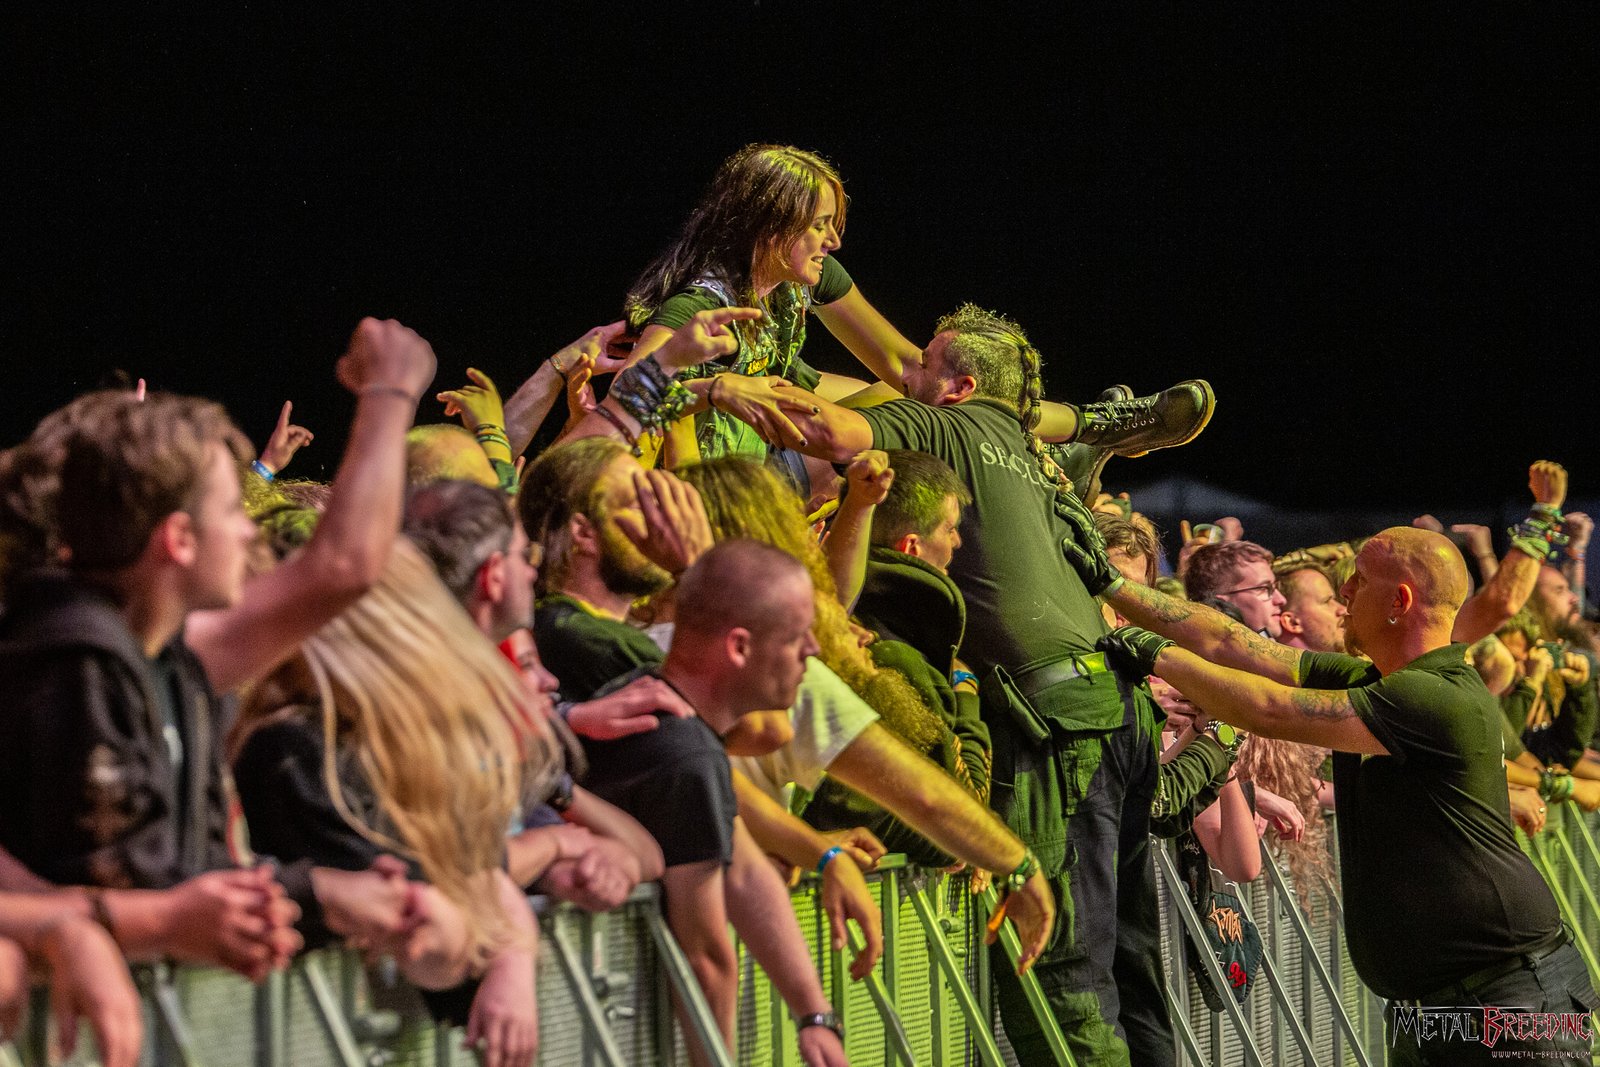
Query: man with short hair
[119, 665]
[578, 499]
[1239, 572]
[1312, 616]
[742, 640]
[909, 601]
[1075, 758]
[921, 516]
[1420, 787]
[444, 450]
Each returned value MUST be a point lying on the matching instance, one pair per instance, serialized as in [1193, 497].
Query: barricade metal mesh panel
[230, 1022]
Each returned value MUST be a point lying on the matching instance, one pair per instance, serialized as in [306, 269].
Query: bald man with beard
[1442, 907]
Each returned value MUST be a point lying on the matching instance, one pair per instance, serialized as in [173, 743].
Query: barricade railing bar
[607, 985]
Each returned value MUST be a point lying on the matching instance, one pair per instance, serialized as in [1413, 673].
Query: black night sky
[1375, 236]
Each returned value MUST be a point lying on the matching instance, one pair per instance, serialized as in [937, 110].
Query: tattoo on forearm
[1266, 648]
[1164, 608]
[1322, 704]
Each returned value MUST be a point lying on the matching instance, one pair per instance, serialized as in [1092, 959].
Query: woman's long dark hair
[762, 199]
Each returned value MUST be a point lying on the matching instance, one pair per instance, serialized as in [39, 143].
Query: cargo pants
[1075, 768]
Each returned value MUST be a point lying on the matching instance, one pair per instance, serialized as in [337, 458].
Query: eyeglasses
[1266, 590]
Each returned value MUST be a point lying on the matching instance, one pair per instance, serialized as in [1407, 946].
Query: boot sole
[1209, 409]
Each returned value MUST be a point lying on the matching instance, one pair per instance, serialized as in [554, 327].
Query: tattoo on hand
[1323, 704]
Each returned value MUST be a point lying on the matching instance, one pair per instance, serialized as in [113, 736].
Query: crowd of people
[741, 620]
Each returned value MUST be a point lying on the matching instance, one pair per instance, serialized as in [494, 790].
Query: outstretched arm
[883, 768]
[527, 408]
[871, 338]
[387, 367]
[1206, 632]
[1266, 707]
[1197, 628]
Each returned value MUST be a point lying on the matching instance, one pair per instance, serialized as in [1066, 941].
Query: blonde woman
[400, 730]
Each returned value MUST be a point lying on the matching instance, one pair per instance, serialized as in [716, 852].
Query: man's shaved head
[1403, 595]
[444, 450]
[745, 617]
[1426, 561]
[737, 583]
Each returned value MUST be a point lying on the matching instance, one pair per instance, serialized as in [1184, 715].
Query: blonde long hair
[439, 723]
[745, 499]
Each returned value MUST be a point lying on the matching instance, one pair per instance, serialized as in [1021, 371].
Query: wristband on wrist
[266, 472]
[1021, 873]
[492, 436]
[711, 393]
[1554, 787]
[649, 394]
[958, 676]
[827, 858]
[1539, 535]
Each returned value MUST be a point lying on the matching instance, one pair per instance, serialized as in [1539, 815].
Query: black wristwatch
[829, 1019]
[1228, 736]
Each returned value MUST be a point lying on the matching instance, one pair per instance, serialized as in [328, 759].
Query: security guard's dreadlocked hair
[996, 352]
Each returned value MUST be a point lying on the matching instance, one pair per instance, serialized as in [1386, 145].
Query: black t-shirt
[279, 775]
[1434, 885]
[674, 779]
[1025, 603]
[584, 650]
[285, 797]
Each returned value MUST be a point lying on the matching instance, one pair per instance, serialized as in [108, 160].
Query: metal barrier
[1305, 1007]
[604, 997]
[604, 987]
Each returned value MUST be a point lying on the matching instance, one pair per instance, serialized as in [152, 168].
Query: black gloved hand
[1132, 650]
[1085, 549]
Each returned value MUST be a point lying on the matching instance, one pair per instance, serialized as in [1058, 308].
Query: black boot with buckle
[1121, 424]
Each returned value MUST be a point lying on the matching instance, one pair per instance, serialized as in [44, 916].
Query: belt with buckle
[1043, 677]
[1475, 981]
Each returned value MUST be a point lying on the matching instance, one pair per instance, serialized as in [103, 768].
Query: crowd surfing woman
[396, 732]
[761, 238]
